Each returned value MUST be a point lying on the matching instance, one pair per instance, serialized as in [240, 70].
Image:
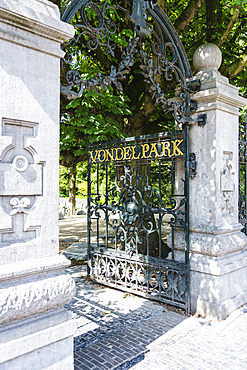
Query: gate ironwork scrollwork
[166, 58]
[141, 196]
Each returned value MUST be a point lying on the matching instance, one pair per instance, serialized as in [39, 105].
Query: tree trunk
[153, 238]
[213, 19]
[142, 221]
[72, 190]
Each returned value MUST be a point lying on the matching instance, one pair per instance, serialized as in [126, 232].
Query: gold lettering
[125, 149]
[153, 150]
[108, 154]
[93, 157]
[117, 158]
[166, 148]
[176, 150]
[145, 148]
[99, 155]
[133, 150]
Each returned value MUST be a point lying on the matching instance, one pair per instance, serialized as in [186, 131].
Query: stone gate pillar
[218, 254]
[35, 330]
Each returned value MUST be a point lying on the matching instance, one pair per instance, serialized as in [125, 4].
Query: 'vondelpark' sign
[169, 148]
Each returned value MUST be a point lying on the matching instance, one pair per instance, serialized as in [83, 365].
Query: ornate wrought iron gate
[141, 196]
[139, 201]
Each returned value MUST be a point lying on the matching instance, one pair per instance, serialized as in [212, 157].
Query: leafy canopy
[104, 114]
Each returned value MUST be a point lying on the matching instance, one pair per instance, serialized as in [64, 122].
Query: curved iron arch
[181, 109]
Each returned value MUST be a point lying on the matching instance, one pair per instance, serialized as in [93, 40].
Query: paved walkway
[120, 331]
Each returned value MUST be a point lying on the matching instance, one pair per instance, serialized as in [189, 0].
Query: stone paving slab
[77, 251]
[118, 349]
[200, 344]
[120, 331]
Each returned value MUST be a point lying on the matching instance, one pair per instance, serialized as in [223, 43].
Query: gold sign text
[171, 148]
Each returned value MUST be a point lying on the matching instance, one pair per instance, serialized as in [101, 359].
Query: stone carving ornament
[227, 185]
[21, 179]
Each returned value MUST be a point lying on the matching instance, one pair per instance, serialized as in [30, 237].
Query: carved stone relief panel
[227, 184]
[21, 180]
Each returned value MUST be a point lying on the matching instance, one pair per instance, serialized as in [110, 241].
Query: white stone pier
[35, 330]
[218, 248]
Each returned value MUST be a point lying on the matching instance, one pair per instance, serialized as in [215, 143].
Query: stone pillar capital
[34, 24]
[217, 94]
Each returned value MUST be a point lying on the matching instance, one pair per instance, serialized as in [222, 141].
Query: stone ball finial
[207, 57]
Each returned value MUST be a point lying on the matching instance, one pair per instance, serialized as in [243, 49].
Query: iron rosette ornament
[148, 40]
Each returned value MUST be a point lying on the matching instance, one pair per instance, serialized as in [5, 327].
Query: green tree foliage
[92, 117]
[103, 114]
[106, 114]
[80, 185]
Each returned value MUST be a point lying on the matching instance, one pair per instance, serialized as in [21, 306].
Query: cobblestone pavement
[121, 331]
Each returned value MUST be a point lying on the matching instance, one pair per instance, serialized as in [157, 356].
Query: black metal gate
[137, 188]
[138, 199]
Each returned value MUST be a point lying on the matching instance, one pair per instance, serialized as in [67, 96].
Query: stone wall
[35, 330]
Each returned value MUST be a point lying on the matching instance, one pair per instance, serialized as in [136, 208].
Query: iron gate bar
[165, 280]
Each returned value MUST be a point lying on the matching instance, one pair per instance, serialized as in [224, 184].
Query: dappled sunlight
[101, 312]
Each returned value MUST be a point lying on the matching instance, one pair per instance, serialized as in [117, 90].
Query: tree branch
[68, 159]
[239, 68]
[188, 13]
[214, 16]
[230, 26]
[232, 70]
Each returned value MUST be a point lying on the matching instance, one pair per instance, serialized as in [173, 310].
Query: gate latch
[192, 165]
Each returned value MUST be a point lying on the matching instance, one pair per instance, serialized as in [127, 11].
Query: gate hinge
[192, 165]
[202, 119]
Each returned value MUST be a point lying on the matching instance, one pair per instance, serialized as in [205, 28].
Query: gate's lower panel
[165, 281]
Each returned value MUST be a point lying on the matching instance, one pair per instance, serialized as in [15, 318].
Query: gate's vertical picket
[187, 220]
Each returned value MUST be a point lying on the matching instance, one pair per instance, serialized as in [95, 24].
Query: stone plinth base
[218, 285]
[36, 332]
[218, 271]
[41, 342]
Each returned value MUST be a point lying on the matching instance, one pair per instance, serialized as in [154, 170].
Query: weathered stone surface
[218, 284]
[25, 298]
[218, 248]
[29, 267]
[32, 280]
[77, 251]
[207, 56]
[211, 244]
[213, 202]
[29, 344]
